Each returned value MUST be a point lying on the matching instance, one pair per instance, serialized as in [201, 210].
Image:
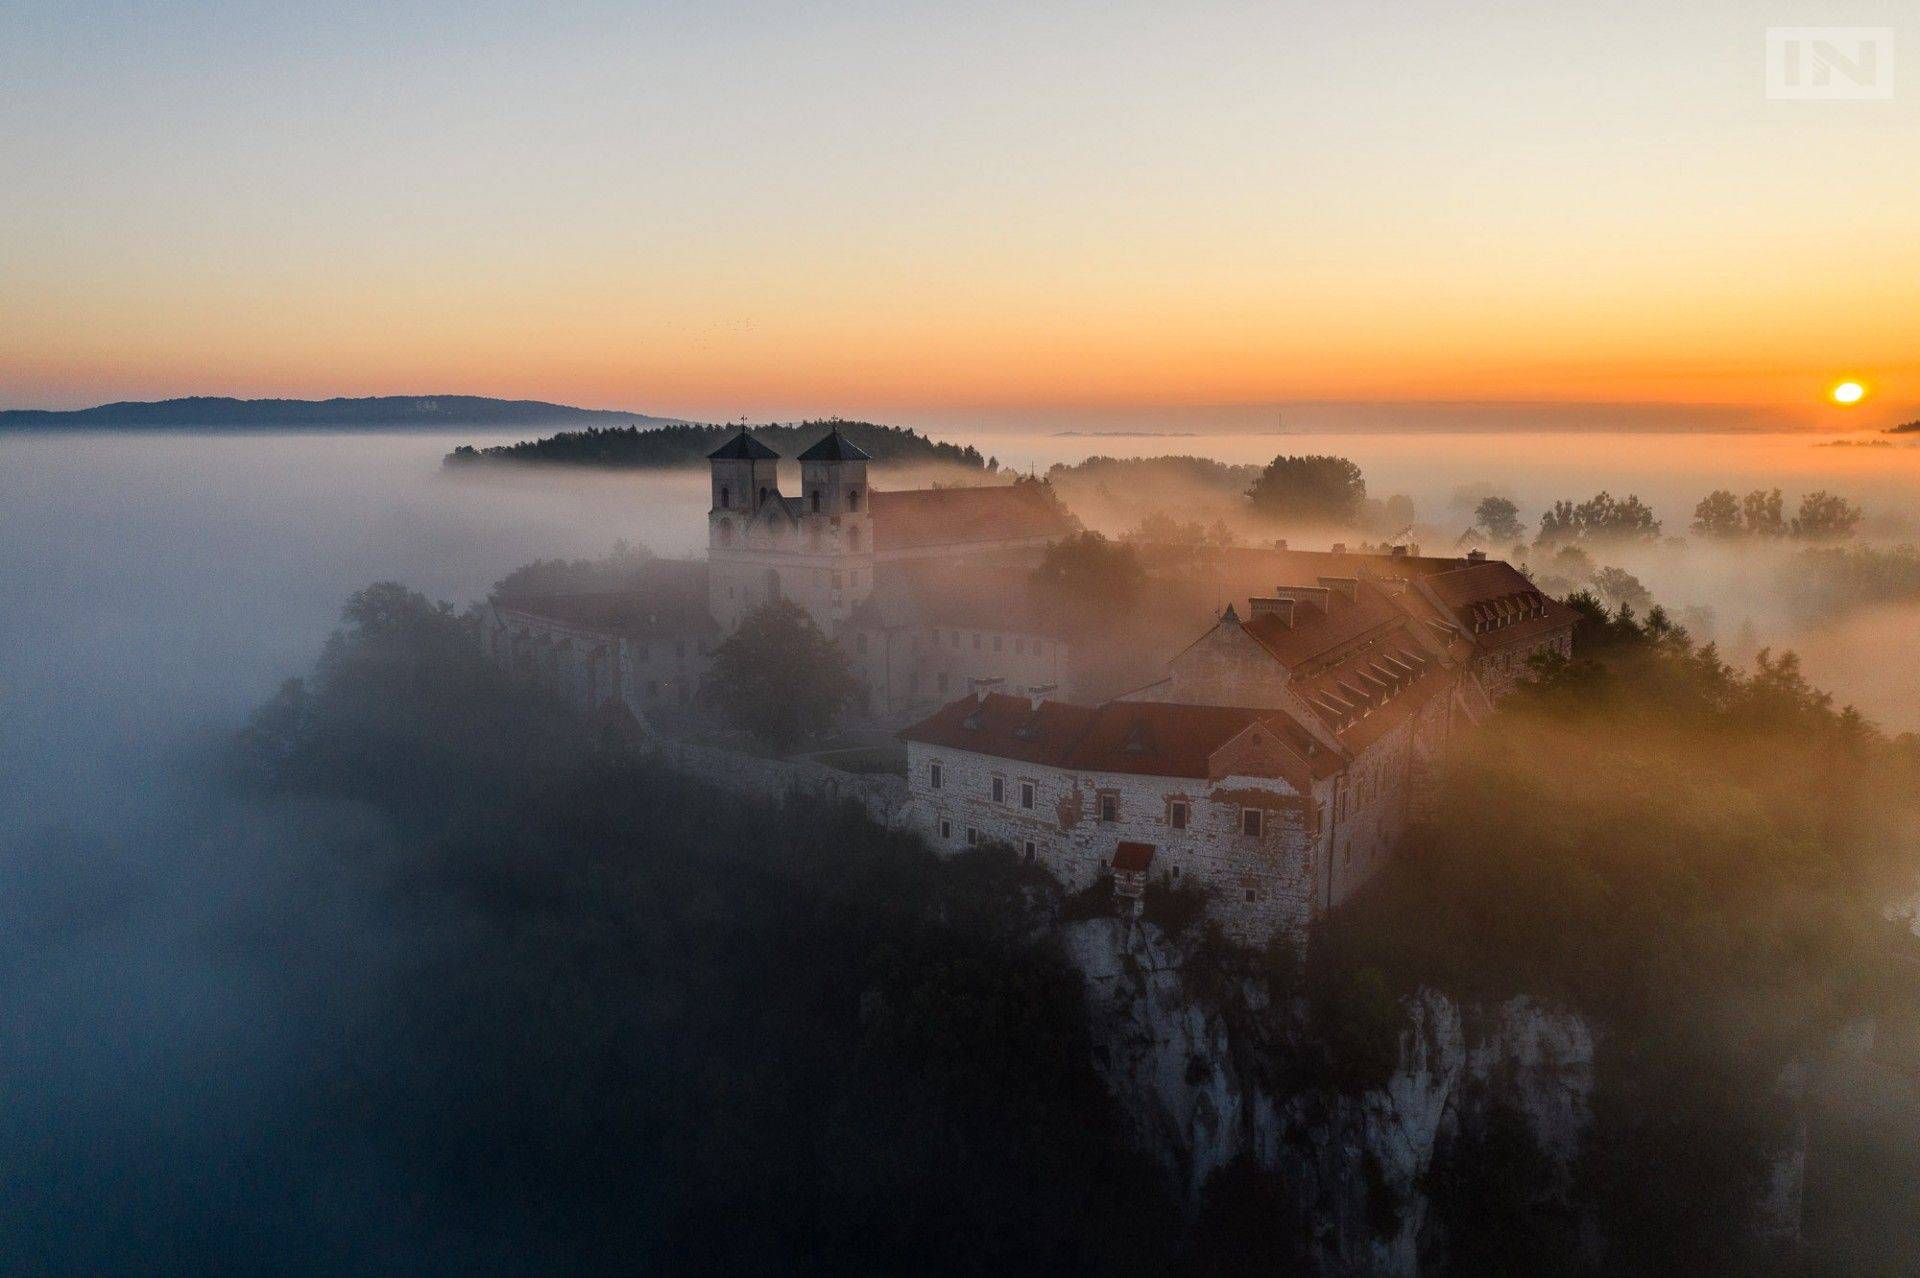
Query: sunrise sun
[1847, 393]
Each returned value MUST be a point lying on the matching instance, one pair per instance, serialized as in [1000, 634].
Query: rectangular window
[999, 788]
[1109, 808]
[946, 829]
[1250, 895]
[933, 775]
[1250, 822]
[996, 643]
[1019, 647]
[1029, 849]
[1177, 815]
[1026, 794]
[973, 836]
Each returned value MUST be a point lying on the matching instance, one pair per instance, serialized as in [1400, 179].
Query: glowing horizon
[907, 212]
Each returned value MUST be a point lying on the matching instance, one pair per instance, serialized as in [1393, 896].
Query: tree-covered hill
[632, 448]
[377, 412]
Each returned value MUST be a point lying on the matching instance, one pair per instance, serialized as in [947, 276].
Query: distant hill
[380, 412]
[1905, 428]
[630, 448]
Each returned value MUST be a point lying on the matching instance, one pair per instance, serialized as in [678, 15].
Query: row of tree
[1822, 516]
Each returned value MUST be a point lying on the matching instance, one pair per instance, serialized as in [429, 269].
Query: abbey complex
[1275, 752]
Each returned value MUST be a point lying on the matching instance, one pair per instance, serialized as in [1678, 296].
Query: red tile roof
[929, 517]
[1145, 738]
[1495, 605]
[672, 601]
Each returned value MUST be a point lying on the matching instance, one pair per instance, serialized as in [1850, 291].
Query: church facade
[921, 588]
[1274, 764]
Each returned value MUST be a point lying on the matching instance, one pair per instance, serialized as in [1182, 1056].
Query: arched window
[816, 500]
[763, 496]
[853, 499]
[723, 497]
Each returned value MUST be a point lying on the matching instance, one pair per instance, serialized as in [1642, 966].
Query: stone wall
[1260, 885]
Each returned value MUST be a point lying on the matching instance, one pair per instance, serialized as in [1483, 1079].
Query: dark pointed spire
[742, 447]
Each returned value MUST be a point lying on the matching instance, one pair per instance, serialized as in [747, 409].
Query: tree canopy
[1087, 577]
[1601, 518]
[1498, 518]
[1313, 490]
[778, 677]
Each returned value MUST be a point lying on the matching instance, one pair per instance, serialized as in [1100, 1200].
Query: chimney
[982, 686]
[1281, 608]
[1339, 547]
[1347, 586]
[1476, 556]
[1316, 596]
[1039, 692]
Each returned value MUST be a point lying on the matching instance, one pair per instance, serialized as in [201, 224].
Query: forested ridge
[632, 447]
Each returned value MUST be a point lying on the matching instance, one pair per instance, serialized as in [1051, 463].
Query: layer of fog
[153, 590]
[1740, 595]
[157, 1000]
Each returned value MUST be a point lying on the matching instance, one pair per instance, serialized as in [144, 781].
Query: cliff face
[1202, 1095]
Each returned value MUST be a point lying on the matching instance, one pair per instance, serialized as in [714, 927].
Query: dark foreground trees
[608, 1018]
[1696, 858]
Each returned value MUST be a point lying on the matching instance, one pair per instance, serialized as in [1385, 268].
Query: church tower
[836, 517]
[746, 483]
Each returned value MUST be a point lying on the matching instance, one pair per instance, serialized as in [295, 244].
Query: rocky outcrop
[1204, 1087]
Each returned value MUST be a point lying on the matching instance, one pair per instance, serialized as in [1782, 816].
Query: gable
[1259, 751]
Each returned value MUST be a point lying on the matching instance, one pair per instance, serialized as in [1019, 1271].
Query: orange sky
[744, 212]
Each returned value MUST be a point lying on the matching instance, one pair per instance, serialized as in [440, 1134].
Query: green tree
[1087, 577]
[1620, 587]
[1498, 517]
[778, 677]
[1309, 490]
[1602, 517]
[1825, 516]
[1760, 512]
[1718, 515]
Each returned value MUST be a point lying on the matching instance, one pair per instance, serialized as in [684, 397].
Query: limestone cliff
[1356, 1164]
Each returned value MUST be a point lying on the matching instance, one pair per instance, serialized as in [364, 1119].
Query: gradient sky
[717, 209]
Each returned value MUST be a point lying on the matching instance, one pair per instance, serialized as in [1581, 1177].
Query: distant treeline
[376, 412]
[629, 447]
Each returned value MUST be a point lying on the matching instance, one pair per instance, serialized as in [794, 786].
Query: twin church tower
[815, 549]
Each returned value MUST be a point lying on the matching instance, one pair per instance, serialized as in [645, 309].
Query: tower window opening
[853, 499]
